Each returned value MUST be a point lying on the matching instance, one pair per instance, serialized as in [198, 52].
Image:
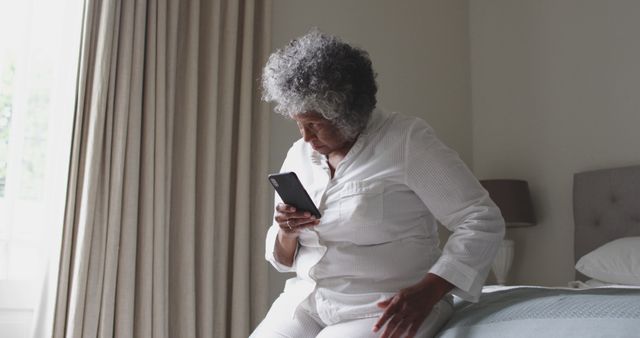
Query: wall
[554, 92]
[420, 50]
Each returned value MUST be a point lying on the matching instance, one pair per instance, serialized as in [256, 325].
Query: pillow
[596, 283]
[593, 283]
[615, 262]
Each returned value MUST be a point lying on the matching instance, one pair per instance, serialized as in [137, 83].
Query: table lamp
[514, 201]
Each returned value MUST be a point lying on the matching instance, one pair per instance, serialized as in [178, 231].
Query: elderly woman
[371, 266]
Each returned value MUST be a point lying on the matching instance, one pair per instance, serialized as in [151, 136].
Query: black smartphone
[293, 193]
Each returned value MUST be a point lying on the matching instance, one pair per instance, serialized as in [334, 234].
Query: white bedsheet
[535, 311]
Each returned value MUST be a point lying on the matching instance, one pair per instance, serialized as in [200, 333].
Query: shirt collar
[378, 116]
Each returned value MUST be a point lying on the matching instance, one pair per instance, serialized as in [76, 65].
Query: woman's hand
[407, 310]
[292, 221]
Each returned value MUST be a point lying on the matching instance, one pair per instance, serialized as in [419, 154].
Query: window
[39, 50]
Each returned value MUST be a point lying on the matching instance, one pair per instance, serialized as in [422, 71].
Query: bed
[606, 206]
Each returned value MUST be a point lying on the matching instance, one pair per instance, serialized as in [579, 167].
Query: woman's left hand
[407, 310]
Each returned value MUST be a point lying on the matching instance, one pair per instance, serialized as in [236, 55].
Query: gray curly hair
[318, 72]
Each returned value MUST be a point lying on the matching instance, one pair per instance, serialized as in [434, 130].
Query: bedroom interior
[543, 91]
[534, 90]
[603, 301]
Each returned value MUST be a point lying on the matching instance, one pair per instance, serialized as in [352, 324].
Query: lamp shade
[513, 199]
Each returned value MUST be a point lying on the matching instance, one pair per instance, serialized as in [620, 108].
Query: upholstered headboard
[606, 206]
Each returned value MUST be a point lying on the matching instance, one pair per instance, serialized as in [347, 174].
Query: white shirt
[378, 231]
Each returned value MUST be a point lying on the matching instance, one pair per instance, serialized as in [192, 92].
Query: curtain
[167, 198]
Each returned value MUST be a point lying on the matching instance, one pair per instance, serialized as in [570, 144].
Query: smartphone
[293, 193]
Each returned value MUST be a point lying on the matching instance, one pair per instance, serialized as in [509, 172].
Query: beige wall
[555, 90]
[420, 50]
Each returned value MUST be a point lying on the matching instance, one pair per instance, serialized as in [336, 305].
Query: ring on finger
[289, 225]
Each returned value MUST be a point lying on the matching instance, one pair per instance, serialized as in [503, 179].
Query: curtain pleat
[167, 200]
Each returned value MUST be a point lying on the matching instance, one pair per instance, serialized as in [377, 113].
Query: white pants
[308, 324]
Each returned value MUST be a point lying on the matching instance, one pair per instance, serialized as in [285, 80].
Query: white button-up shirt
[378, 231]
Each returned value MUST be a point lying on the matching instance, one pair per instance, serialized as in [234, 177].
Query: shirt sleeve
[458, 201]
[272, 233]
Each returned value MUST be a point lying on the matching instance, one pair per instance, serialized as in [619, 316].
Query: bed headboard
[606, 206]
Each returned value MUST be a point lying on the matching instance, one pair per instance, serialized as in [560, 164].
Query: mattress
[528, 311]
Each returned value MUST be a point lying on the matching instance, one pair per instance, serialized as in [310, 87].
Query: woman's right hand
[292, 221]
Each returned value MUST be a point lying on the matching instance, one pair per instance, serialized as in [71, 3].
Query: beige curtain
[167, 200]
